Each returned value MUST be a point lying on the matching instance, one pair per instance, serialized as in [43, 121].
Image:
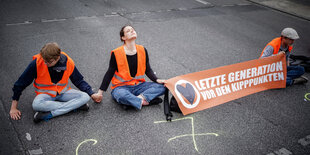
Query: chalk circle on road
[307, 96]
[87, 140]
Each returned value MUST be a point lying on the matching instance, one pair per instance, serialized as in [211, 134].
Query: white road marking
[34, 152]
[182, 9]
[282, 151]
[52, 20]
[111, 15]
[202, 1]
[243, 4]
[228, 5]
[304, 141]
[24, 23]
[28, 136]
[84, 17]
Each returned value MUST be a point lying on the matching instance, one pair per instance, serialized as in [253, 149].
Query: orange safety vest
[122, 76]
[276, 44]
[43, 83]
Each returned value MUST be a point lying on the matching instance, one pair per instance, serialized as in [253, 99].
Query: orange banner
[205, 89]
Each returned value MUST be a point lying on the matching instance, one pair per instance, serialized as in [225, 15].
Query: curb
[277, 6]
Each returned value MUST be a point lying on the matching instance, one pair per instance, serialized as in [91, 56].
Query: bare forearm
[14, 104]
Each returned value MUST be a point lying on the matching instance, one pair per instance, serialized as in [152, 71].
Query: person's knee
[38, 103]
[302, 70]
[85, 97]
[123, 96]
[119, 94]
[35, 106]
[156, 85]
[160, 87]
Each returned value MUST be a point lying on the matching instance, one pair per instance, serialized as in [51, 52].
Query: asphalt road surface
[182, 36]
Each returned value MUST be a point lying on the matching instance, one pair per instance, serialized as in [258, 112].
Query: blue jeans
[61, 104]
[128, 94]
[293, 72]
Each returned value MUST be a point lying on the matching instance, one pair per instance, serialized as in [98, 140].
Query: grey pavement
[10, 142]
[182, 37]
[298, 8]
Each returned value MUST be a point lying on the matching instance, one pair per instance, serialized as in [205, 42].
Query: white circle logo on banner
[189, 92]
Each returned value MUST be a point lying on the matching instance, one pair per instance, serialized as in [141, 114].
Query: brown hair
[121, 33]
[50, 51]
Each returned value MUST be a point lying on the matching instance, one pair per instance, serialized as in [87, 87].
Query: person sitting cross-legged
[51, 70]
[283, 45]
[128, 65]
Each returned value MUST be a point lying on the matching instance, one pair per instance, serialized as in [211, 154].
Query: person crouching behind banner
[128, 65]
[283, 45]
[51, 70]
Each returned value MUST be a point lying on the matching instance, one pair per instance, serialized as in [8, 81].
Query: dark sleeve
[24, 80]
[78, 80]
[109, 74]
[148, 71]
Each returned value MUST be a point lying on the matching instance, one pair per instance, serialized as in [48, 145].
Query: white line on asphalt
[136, 13]
[51, 20]
[304, 141]
[84, 17]
[24, 23]
[33, 152]
[243, 4]
[182, 9]
[145, 12]
[228, 5]
[202, 1]
[111, 15]
[28, 136]
[282, 151]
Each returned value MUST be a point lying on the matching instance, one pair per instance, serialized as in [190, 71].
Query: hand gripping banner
[205, 89]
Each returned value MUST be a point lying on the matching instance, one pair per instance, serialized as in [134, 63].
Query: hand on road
[15, 114]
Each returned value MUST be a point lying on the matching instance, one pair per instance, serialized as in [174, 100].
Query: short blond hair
[50, 51]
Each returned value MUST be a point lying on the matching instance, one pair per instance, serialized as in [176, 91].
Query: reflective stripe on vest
[134, 78]
[139, 79]
[50, 91]
[45, 91]
[43, 83]
[122, 75]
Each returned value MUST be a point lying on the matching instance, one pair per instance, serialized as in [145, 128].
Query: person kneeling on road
[50, 70]
[283, 45]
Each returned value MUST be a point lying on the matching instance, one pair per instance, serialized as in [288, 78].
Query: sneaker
[156, 101]
[84, 107]
[40, 116]
[300, 80]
